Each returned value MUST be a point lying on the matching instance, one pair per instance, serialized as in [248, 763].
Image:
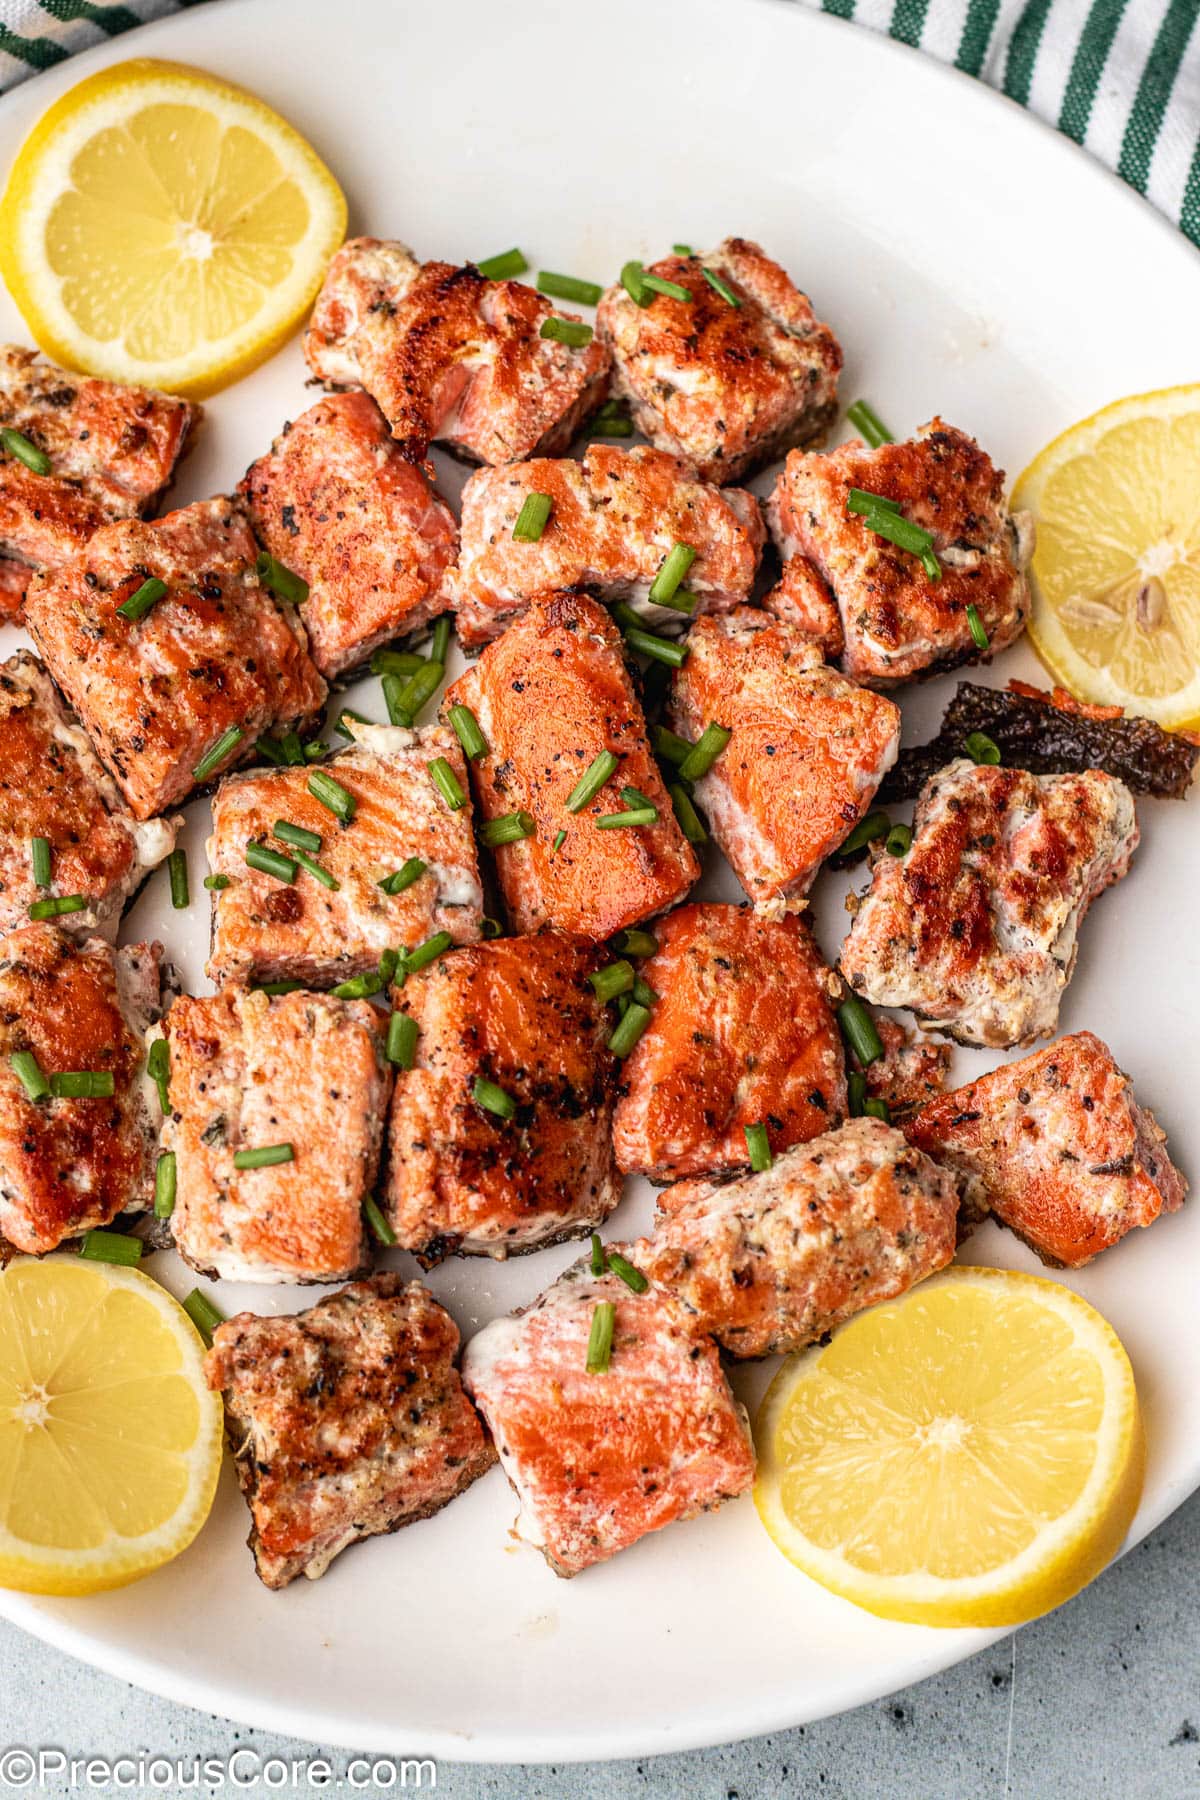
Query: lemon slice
[164, 228]
[110, 1438]
[969, 1455]
[1116, 572]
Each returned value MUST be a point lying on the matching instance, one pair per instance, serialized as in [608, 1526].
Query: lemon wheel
[969, 1455]
[165, 228]
[110, 1439]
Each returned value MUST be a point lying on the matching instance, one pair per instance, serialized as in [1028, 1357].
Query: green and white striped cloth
[1121, 77]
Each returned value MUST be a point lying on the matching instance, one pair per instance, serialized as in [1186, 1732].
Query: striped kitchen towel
[1121, 77]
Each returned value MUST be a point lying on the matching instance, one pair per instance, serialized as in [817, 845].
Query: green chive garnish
[721, 286]
[269, 750]
[615, 978]
[158, 1068]
[704, 752]
[643, 993]
[380, 1229]
[560, 838]
[284, 583]
[884, 518]
[629, 1029]
[569, 287]
[111, 1247]
[635, 942]
[216, 882]
[404, 877]
[177, 875]
[203, 1314]
[686, 816]
[858, 1029]
[439, 642]
[279, 987]
[682, 601]
[28, 1071]
[428, 952]
[633, 1278]
[71, 903]
[393, 687]
[360, 987]
[660, 649]
[293, 750]
[164, 1185]
[856, 1093]
[389, 962]
[314, 750]
[978, 631]
[600, 1338]
[632, 820]
[674, 567]
[567, 331]
[868, 424]
[270, 862]
[634, 797]
[509, 828]
[899, 840]
[877, 1109]
[332, 795]
[142, 599]
[490, 928]
[447, 784]
[759, 1148]
[417, 692]
[502, 267]
[18, 445]
[341, 726]
[466, 730]
[39, 856]
[611, 421]
[978, 746]
[597, 1254]
[220, 750]
[672, 289]
[493, 1099]
[396, 662]
[669, 745]
[683, 250]
[265, 1157]
[299, 835]
[874, 826]
[533, 518]
[318, 871]
[402, 1036]
[600, 770]
[83, 1084]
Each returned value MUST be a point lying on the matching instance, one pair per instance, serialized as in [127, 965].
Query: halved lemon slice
[969, 1455]
[1116, 572]
[110, 1438]
[162, 227]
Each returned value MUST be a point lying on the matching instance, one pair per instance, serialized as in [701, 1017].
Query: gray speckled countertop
[1102, 1698]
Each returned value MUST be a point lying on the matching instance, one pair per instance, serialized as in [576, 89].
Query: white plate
[973, 263]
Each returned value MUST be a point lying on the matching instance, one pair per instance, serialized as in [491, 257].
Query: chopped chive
[669, 745]
[858, 1029]
[83, 1084]
[294, 752]
[978, 746]
[600, 1338]
[633, 1278]
[868, 424]
[381, 1231]
[629, 1029]
[720, 286]
[683, 250]
[447, 784]
[389, 962]
[220, 750]
[279, 987]
[704, 752]
[314, 750]
[875, 1108]
[633, 820]
[635, 942]
[216, 882]
[600, 770]
[502, 267]
[265, 1157]
[439, 642]
[177, 875]
[633, 280]
[332, 795]
[672, 289]
[67, 903]
[659, 648]
[533, 518]
[899, 840]
[759, 1148]
[567, 331]
[393, 688]
[395, 662]
[682, 601]
[560, 838]
[611, 421]
[267, 749]
[270, 862]
[111, 1247]
[634, 797]
[615, 978]
[875, 825]
[299, 835]
[360, 987]
[319, 872]
[28, 1071]
[284, 583]
[143, 598]
[18, 445]
[856, 1093]
[466, 730]
[428, 952]
[403, 877]
[597, 1254]
[674, 567]
[686, 816]
[164, 1185]
[493, 1099]
[569, 287]
[490, 928]
[419, 690]
[509, 828]
[158, 1068]
[884, 518]
[347, 713]
[978, 631]
[39, 856]
[203, 1314]
[643, 993]
[402, 1036]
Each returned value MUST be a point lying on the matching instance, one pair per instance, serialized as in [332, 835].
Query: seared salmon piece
[345, 1421]
[773, 1261]
[801, 598]
[615, 517]
[598, 1460]
[450, 357]
[976, 928]
[809, 748]
[550, 696]
[337, 502]
[913, 1068]
[896, 621]
[251, 1072]
[727, 384]
[68, 1164]
[1055, 1147]
[516, 1013]
[743, 1033]
[265, 929]
[214, 655]
[112, 452]
[54, 786]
